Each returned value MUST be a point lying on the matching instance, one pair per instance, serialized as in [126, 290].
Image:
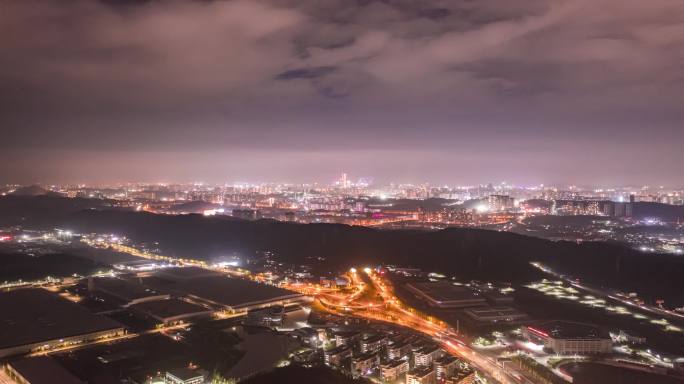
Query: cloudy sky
[445, 91]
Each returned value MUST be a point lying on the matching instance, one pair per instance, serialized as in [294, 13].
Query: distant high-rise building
[500, 202]
[344, 181]
[622, 209]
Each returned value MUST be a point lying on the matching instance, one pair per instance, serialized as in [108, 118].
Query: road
[385, 307]
[388, 308]
[436, 328]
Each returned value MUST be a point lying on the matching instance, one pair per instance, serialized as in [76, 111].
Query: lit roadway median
[391, 310]
[599, 292]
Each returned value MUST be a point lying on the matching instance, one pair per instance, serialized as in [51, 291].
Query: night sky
[526, 91]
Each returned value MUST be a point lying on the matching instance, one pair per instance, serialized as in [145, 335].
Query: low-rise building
[426, 355]
[373, 343]
[453, 371]
[336, 356]
[346, 338]
[394, 369]
[364, 364]
[308, 336]
[423, 375]
[462, 378]
[399, 350]
[446, 366]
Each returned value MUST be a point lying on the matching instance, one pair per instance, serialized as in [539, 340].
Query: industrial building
[496, 298]
[186, 273]
[129, 292]
[171, 311]
[568, 338]
[494, 315]
[39, 370]
[266, 317]
[219, 291]
[41, 320]
[443, 294]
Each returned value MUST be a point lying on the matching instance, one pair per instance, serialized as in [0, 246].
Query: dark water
[592, 373]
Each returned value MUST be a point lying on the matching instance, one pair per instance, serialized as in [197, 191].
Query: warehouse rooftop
[31, 316]
[163, 309]
[444, 293]
[219, 289]
[37, 370]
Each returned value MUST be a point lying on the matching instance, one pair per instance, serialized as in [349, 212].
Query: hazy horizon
[446, 92]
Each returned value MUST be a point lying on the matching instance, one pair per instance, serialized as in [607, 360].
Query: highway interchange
[372, 297]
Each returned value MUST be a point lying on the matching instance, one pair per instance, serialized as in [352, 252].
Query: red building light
[540, 333]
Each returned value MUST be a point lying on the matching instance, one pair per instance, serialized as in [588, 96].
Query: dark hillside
[467, 253]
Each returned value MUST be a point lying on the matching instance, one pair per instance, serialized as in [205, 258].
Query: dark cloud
[305, 73]
[593, 83]
[435, 13]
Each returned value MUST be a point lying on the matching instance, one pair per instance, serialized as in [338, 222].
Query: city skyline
[356, 183]
[450, 92]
